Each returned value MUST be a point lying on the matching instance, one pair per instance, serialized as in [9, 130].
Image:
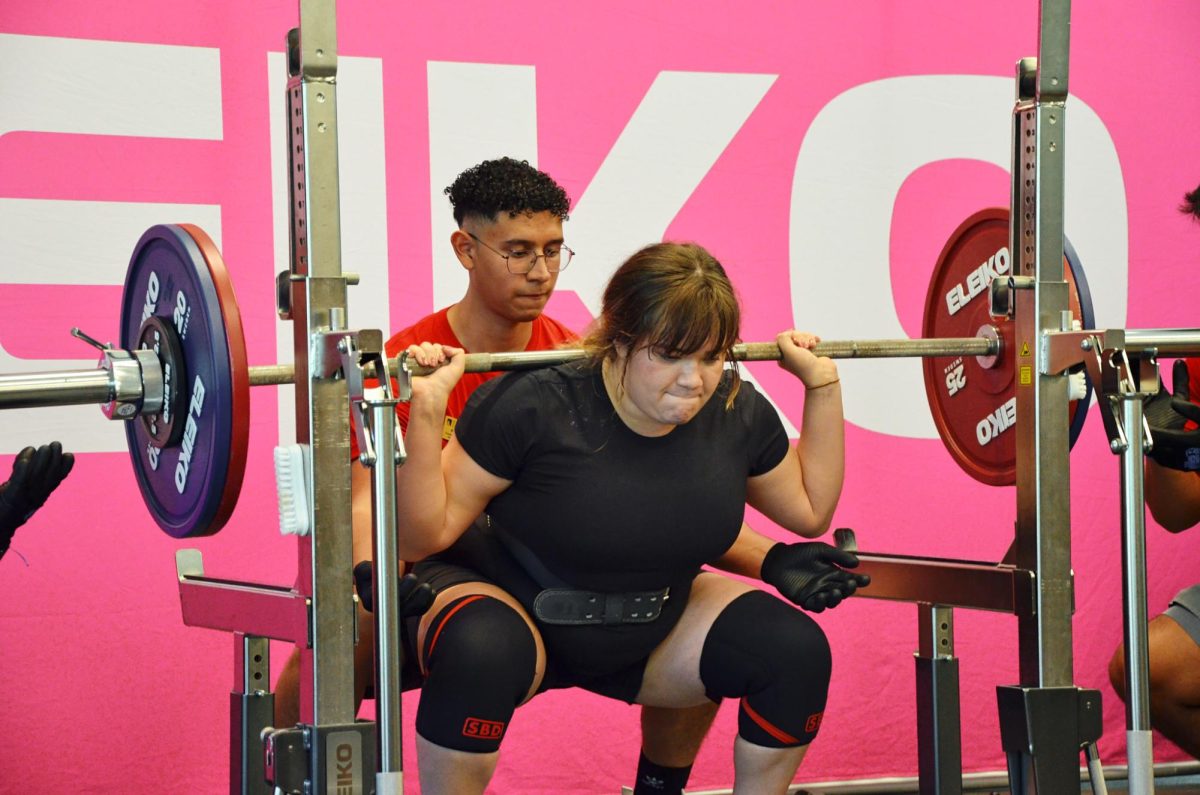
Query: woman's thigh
[454, 592]
[672, 677]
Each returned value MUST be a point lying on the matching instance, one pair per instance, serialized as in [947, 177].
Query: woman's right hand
[449, 363]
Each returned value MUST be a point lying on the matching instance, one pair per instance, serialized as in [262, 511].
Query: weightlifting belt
[559, 603]
[571, 606]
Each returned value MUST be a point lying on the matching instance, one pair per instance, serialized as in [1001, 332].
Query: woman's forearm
[822, 452]
[420, 484]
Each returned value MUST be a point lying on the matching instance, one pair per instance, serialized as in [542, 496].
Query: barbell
[180, 379]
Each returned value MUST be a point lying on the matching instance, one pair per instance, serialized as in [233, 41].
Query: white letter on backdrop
[643, 182]
[54, 85]
[853, 160]
[459, 95]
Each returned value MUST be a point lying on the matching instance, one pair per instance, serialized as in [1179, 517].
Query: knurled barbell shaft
[762, 352]
[1168, 341]
[746, 352]
[272, 374]
[877, 349]
[78, 387]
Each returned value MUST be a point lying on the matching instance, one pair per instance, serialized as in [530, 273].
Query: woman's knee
[1174, 663]
[1116, 671]
[777, 661]
[482, 661]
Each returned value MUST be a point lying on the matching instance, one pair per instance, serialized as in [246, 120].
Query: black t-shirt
[605, 508]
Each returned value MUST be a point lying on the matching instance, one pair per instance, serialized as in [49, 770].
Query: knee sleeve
[777, 661]
[480, 657]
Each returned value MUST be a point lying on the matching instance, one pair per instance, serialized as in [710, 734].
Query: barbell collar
[137, 383]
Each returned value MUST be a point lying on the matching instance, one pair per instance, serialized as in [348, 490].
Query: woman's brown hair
[674, 298]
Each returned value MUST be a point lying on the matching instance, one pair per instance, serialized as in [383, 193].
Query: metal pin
[95, 343]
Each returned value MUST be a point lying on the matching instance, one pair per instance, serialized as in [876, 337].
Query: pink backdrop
[102, 689]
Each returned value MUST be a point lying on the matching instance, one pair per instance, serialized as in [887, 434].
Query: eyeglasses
[521, 262]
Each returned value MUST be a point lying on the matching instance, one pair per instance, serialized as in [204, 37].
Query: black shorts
[608, 660]
[1185, 610]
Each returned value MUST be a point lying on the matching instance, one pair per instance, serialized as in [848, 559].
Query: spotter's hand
[1169, 413]
[799, 360]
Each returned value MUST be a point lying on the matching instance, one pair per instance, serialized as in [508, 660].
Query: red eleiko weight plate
[974, 407]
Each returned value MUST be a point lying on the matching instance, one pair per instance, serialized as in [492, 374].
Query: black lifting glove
[1166, 413]
[812, 574]
[35, 474]
[415, 596]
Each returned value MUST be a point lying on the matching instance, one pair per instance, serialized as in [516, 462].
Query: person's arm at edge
[1173, 496]
[361, 512]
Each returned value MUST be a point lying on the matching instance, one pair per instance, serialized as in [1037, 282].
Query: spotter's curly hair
[1191, 204]
[505, 185]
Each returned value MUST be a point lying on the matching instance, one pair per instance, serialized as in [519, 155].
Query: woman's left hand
[799, 360]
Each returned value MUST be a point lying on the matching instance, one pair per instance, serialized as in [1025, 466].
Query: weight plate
[973, 406]
[1087, 318]
[177, 275]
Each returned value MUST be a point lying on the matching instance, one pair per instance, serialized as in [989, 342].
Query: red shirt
[547, 334]
[1193, 366]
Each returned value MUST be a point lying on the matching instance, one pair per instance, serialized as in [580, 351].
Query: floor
[1175, 782]
[1176, 785]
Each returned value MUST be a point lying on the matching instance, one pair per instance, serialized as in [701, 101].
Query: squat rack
[1045, 720]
